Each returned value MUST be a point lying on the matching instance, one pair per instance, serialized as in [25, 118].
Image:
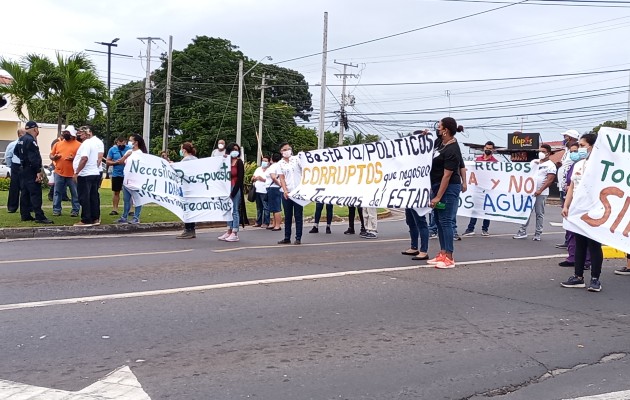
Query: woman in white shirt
[261, 181]
[136, 142]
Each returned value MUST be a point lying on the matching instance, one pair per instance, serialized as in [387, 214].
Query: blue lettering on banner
[506, 202]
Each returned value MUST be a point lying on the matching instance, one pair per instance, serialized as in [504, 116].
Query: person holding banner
[188, 153]
[319, 207]
[137, 146]
[237, 195]
[546, 176]
[487, 156]
[352, 211]
[261, 181]
[290, 174]
[583, 243]
[446, 184]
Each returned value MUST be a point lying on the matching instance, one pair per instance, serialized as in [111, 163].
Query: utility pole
[146, 126]
[260, 119]
[448, 94]
[167, 109]
[239, 104]
[342, 116]
[522, 119]
[322, 94]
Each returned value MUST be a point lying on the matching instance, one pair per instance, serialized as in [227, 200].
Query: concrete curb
[70, 231]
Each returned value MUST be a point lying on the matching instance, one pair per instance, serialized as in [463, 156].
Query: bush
[250, 168]
[4, 184]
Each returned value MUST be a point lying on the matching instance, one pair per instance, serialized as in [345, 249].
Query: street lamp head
[115, 40]
[269, 58]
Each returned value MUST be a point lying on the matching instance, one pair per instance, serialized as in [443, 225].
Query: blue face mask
[234, 154]
[582, 152]
[181, 153]
[264, 164]
[574, 157]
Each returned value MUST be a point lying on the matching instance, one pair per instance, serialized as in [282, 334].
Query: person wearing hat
[570, 139]
[31, 175]
[62, 154]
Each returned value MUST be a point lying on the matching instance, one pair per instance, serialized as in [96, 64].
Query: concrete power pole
[239, 106]
[322, 94]
[167, 109]
[146, 126]
[260, 119]
[342, 116]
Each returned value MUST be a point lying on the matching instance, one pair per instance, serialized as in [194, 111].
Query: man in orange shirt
[62, 154]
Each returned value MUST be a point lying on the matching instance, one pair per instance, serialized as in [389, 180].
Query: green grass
[150, 212]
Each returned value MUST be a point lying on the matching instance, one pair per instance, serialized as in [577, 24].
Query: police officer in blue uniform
[31, 175]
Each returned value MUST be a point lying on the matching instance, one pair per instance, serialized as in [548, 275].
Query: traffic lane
[194, 264]
[427, 333]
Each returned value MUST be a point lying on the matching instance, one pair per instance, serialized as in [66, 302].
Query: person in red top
[62, 154]
[487, 156]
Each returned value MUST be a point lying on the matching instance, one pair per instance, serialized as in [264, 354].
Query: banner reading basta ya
[195, 191]
[599, 209]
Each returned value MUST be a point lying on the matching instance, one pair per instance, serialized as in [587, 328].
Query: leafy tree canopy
[611, 124]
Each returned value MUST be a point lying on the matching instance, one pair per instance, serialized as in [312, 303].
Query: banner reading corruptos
[195, 190]
[387, 174]
[499, 191]
[599, 209]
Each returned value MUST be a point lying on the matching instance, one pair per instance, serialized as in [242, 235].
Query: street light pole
[239, 107]
[109, 80]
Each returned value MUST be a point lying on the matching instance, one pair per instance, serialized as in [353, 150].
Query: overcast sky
[521, 40]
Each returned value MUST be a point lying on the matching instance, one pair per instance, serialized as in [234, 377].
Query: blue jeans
[445, 217]
[262, 209]
[236, 216]
[473, 222]
[127, 205]
[60, 190]
[432, 223]
[417, 227]
[292, 210]
[318, 213]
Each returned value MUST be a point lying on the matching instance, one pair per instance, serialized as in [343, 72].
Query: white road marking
[34, 260]
[121, 384]
[161, 292]
[623, 395]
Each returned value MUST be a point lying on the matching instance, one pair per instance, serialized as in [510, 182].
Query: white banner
[195, 190]
[386, 174]
[600, 204]
[499, 191]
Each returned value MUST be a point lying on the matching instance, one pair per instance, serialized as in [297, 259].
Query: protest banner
[601, 201]
[499, 191]
[387, 174]
[195, 190]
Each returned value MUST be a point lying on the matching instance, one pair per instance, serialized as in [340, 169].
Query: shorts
[117, 183]
[274, 199]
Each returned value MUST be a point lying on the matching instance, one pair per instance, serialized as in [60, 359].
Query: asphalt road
[339, 317]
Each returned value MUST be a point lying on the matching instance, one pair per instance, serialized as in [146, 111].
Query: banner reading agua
[499, 191]
[599, 209]
[387, 174]
[195, 190]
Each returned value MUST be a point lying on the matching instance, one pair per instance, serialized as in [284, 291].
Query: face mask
[130, 143]
[121, 147]
[181, 153]
[582, 152]
[264, 164]
[574, 156]
[66, 136]
[542, 155]
[287, 153]
[488, 152]
[234, 154]
[221, 146]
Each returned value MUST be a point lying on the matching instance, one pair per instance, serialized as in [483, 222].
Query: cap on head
[31, 125]
[572, 133]
[70, 129]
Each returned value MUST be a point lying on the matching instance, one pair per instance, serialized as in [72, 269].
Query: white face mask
[541, 155]
[130, 143]
[287, 153]
[221, 146]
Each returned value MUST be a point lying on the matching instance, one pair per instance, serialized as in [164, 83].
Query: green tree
[360, 138]
[612, 124]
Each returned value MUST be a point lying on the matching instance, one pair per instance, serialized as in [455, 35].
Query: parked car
[5, 171]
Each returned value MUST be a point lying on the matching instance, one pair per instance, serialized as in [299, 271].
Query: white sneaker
[485, 233]
[232, 238]
[224, 236]
[520, 235]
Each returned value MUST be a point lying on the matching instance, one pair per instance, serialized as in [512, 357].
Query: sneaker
[314, 230]
[370, 235]
[328, 231]
[469, 233]
[134, 221]
[224, 236]
[622, 271]
[349, 231]
[232, 238]
[81, 223]
[362, 233]
[562, 246]
[574, 282]
[445, 263]
[74, 214]
[433, 235]
[456, 237]
[121, 220]
[187, 235]
[436, 259]
[566, 264]
[485, 233]
[536, 238]
[113, 212]
[285, 241]
[56, 213]
[96, 222]
[520, 235]
[595, 285]
[297, 242]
